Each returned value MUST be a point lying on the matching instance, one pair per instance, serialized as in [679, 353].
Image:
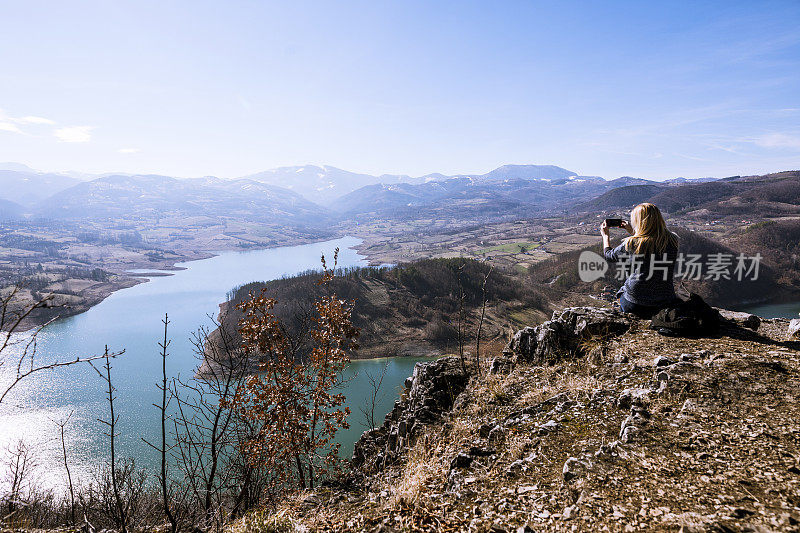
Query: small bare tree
[209, 433]
[461, 330]
[18, 345]
[18, 472]
[111, 423]
[375, 396]
[61, 425]
[162, 449]
[480, 322]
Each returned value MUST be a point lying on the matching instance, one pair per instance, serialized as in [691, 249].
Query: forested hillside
[411, 309]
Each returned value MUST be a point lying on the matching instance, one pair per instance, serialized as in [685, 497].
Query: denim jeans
[642, 311]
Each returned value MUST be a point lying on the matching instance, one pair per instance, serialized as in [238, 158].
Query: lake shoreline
[131, 320]
[66, 306]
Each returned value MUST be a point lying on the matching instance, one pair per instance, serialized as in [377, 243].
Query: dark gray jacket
[649, 278]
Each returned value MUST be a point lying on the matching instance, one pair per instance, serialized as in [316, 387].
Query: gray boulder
[564, 336]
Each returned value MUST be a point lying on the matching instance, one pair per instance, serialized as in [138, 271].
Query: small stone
[663, 360]
[689, 406]
[752, 322]
[571, 468]
[550, 425]
[794, 329]
[630, 397]
[312, 500]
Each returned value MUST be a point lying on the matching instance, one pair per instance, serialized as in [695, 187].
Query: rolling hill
[27, 187]
[737, 196]
[153, 196]
[406, 310]
[323, 184]
[473, 197]
[10, 210]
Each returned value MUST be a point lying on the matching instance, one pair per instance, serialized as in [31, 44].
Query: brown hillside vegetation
[411, 309]
[751, 196]
[594, 422]
[778, 242]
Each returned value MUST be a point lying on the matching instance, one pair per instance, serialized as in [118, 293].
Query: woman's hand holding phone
[627, 227]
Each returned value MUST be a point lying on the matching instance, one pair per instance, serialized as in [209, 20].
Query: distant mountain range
[27, 186]
[325, 185]
[777, 193]
[512, 189]
[152, 196]
[320, 194]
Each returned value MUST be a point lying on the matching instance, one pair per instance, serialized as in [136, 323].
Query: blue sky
[191, 88]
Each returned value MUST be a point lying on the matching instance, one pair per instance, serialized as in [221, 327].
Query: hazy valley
[81, 242]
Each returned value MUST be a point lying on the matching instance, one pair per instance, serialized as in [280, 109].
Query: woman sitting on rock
[649, 255]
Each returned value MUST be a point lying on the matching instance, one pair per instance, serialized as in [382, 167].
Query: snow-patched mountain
[473, 194]
[325, 185]
[528, 172]
[152, 196]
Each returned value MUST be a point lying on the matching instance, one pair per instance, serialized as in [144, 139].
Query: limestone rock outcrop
[430, 391]
[563, 336]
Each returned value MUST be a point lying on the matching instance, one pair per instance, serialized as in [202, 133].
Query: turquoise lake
[775, 310]
[130, 319]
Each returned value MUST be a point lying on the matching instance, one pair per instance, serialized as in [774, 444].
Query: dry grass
[423, 466]
[264, 521]
[542, 382]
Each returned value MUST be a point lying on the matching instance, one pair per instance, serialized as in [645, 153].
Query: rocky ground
[588, 422]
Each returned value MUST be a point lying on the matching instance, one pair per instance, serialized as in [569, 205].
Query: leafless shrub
[119, 497]
[18, 346]
[218, 483]
[368, 409]
[18, 470]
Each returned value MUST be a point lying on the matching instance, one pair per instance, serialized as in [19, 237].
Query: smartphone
[614, 222]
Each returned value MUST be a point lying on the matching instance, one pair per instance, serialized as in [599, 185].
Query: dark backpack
[686, 318]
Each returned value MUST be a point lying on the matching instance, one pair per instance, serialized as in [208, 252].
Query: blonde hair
[650, 231]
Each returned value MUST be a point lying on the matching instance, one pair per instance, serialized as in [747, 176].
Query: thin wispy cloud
[74, 134]
[35, 120]
[7, 123]
[8, 126]
[778, 140]
[129, 150]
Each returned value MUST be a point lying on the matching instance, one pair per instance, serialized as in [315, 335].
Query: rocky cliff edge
[590, 421]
